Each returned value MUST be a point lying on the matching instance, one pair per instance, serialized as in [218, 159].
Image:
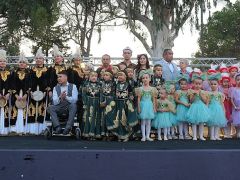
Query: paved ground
[39, 142]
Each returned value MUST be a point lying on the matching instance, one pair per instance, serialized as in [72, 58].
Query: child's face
[130, 74]
[93, 78]
[158, 71]
[115, 70]
[162, 94]
[107, 77]
[182, 65]
[233, 72]
[145, 79]
[238, 81]
[183, 85]
[121, 77]
[122, 67]
[225, 83]
[198, 84]
[214, 85]
[172, 90]
[22, 65]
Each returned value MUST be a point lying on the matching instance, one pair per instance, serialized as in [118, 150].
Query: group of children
[116, 103]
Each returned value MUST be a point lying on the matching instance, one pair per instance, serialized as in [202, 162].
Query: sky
[117, 38]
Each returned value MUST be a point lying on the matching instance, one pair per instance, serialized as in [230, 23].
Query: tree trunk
[161, 39]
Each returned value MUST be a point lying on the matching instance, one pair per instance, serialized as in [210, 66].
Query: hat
[56, 51]
[235, 66]
[225, 76]
[3, 55]
[22, 58]
[93, 73]
[77, 54]
[108, 72]
[223, 68]
[212, 69]
[147, 71]
[122, 73]
[39, 53]
[215, 76]
[195, 71]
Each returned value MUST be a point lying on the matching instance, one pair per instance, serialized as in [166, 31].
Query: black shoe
[66, 131]
[58, 130]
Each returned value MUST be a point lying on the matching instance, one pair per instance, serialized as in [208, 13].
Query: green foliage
[32, 19]
[220, 37]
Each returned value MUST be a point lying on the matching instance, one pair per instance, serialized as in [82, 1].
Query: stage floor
[39, 142]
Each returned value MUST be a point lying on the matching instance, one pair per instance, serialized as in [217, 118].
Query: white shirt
[72, 99]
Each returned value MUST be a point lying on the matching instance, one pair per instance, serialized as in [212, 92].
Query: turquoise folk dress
[162, 119]
[121, 115]
[217, 114]
[172, 114]
[181, 109]
[146, 103]
[198, 111]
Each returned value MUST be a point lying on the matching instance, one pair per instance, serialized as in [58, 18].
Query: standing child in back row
[147, 97]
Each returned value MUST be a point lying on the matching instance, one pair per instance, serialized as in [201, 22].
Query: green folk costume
[91, 117]
[121, 116]
[106, 97]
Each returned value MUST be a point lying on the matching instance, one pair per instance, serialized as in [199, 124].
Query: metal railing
[96, 61]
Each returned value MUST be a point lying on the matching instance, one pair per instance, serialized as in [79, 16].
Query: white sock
[165, 132]
[212, 132]
[159, 133]
[180, 127]
[216, 132]
[168, 131]
[143, 124]
[185, 129]
[173, 131]
[148, 128]
[201, 128]
[194, 131]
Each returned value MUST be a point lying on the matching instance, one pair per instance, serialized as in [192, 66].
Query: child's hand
[187, 104]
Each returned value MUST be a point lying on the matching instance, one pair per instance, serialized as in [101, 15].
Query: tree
[33, 19]
[221, 35]
[157, 23]
[82, 18]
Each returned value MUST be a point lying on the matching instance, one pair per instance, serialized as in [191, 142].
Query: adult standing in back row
[170, 70]
[127, 55]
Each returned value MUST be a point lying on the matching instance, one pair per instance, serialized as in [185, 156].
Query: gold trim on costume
[39, 71]
[4, 75]
[21, 74]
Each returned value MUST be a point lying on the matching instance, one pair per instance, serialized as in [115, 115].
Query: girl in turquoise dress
[216, 107]
[162, 118]
[198, 113]
[146, 96]
[171, 91]
[120, 114]
[182, 100]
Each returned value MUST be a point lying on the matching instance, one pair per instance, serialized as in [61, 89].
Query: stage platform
[64, 158]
